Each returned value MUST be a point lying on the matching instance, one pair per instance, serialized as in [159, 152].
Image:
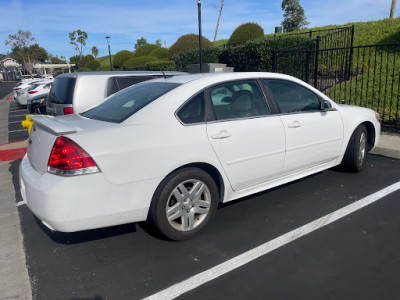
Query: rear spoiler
[51, 124]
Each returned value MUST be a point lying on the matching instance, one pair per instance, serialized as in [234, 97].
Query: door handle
[223, 134]
[295, 124]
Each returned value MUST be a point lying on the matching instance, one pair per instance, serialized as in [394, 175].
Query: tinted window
[193, 111]
[239, 99]
[292, 97]
[116, 84]
[124, 104]
[62, 90]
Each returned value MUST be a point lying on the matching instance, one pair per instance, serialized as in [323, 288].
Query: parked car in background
[39, 88]
[77, 92]
[37, 105]
[169, 149]
[24, 83]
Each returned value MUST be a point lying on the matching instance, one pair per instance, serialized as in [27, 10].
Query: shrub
[161, 53]
[121, 57]
[188, 42]
[58, 73]
[245, 32]
[84, 70]
[93, 65]
[82, 63]
[103, 68]
[138, 62]
[161, 65]
[145, 50]
[256, 55]
[182, 59]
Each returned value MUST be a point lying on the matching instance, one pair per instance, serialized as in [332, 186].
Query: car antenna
[165, 76]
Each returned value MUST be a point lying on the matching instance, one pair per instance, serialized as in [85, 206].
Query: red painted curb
[12, 154]
[9, 98]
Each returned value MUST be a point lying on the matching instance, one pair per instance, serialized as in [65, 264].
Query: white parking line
[17, 130]
[242, 259]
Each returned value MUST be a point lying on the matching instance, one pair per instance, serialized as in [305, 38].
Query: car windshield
[124, 104]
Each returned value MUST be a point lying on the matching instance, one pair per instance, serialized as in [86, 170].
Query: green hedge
[145, 50]
[245, 32]
[161, 53]
[161, 66]
[184, 58]
[121, 57]
[104, 68]
[84, 70]
[138, 62]
[93, 65]
[188, 42]
[255, 55]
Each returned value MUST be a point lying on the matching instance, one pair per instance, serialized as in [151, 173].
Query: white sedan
[168, 150]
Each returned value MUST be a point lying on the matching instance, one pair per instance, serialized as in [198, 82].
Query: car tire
[356, 152]
[37, 111]
[184, 203]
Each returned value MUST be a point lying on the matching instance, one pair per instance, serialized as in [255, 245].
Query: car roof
[119, 73]
[207, 77]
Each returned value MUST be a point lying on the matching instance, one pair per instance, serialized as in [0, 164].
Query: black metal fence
[367, 76]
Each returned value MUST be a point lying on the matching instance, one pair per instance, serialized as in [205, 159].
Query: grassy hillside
[370, 33]
[104, 60]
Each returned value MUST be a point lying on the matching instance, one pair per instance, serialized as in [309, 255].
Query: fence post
[273, 61]
[310, 34]
[316, 63]
[351, 53]
[307, 75]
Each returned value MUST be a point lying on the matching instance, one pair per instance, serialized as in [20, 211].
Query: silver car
[77, 92]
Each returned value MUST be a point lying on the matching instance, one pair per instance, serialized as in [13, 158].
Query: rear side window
[62, 90]
[124, 104]
[193, 111]
[116, 84]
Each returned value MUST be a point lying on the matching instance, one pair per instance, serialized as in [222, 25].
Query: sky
[125, 21]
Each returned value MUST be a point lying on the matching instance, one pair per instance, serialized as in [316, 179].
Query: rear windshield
[124, 104]
[62, 90]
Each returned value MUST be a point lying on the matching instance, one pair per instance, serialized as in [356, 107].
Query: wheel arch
[371, 134]
[210, 170]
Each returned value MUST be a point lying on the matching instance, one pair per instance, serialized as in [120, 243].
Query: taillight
[68, 110]
[67, 158]
[33, 92]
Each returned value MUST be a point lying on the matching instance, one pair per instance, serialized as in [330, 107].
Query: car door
[313, 135]
[248, 140]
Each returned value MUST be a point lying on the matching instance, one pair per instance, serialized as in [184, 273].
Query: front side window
[292, 97]
[239, 99]
[124, 104]
[193, 111]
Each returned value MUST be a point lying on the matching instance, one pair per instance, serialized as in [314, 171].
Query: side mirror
[325, 105]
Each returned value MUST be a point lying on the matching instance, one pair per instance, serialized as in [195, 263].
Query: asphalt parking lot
[355, 257]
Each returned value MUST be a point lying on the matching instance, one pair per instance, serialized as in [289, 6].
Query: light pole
[200, 36]
[109, 51]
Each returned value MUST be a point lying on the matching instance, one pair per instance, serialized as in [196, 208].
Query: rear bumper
[84, 202]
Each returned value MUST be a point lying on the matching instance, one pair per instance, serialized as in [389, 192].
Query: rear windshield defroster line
[124, 104]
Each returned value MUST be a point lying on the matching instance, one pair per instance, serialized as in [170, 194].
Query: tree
[293, 16]
[140, 42]
[95, 51]
[78, 40]
[393, 9]
[19, 43]
[74, 59]
[219, 8]
[38, 53]
[158, 42]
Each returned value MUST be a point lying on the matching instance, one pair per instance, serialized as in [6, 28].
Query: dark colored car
[37, 105]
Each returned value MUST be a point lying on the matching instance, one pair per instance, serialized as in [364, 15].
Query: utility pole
[200, 36]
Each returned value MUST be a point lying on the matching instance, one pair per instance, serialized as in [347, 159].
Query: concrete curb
[389, 146]
[13, 271]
